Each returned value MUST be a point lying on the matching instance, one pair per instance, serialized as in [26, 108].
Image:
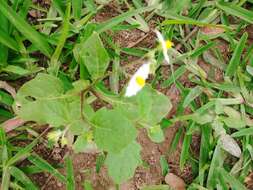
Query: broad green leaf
[155, 133]
[84, 144]
[93, 55]
[148, 107]
[113, 131]
[45, 166]
[235, 10]
[235, 60]
[27, 30]
[121, 166]
[43, 100]
[20, 176]
[41, 87]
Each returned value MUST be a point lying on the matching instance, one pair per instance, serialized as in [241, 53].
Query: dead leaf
[208, 30]
[175, 182]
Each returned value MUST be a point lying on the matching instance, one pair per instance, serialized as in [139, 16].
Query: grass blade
[6, 40]
[177, 74]
[118, 19]
[28, 31]
[235, 60]
[54, 63]
[237, 11]
[204, 151]
[20, 176]
[194, 93]
[243, 132]
[77, 8]
[23, 153]
[217, 162]
[185, 148]
[5, 179]
[70, 174]
[231, 180]
[45, 166]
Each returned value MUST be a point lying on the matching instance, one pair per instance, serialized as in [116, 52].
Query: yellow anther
[169, 44]
[140, 81]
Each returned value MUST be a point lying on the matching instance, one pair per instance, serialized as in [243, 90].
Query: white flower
[138, 80]
[165, 45]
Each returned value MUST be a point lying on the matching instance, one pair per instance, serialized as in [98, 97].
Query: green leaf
[204, 151]
[234, 183]
[193, 93]
[54, 62]
[113, 131]
[45, 166]
[87, 185]
[20, 176]
[178, 73]
[23, 153]
[77, 8]
[70, 174]
[27, 30]
[8, 41]
[148, 107]
[164, 165]
[155, 133]
[249, 69]
[185, 148]
[234, 119]
[83, 143]
[118, 19]
[121, 166]
[43, 100]
[217, 162]
[235, 60]
[16, 70]
[243, 132]
[5, 179]
[93, 55]
[235, 10]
